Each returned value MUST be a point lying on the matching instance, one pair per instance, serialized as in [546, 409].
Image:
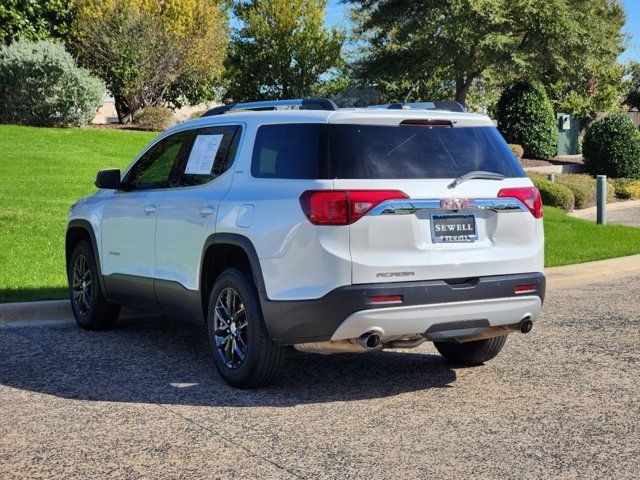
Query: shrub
[40, 84]
[153, 118]
[628, 189]
[525, 117]
[517, 150]
[197, 114]
[555, 195]
[612, 147]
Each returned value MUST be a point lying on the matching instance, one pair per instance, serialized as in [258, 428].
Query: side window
[291, 151]
[211, 153]
[159, 166]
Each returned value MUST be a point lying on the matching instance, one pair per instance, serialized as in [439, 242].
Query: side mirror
[108, 179]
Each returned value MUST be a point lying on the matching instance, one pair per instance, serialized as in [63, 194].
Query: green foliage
[40, 84]
[555, 195]
[152, 53]
[517, 150]
[627, 188]
[36, 20]
[525, 117]
[632, 99]
[611, 147]
[281, 49]
[153, 118]
[452, 46]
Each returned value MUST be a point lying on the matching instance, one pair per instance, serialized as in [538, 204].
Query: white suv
[332, 230]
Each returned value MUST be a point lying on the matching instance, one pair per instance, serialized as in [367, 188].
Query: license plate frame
[470, 219]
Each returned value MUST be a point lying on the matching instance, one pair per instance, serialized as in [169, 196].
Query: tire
[471, 353]
[89, 306]
[242, 350]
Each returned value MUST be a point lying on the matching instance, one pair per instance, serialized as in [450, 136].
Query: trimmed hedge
[627, 188]
[153, 118]
[525, 117]
[555, 195]
[40, 84]
[611, 147]
[517, 150]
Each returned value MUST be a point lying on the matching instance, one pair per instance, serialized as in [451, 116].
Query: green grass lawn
[43, 171]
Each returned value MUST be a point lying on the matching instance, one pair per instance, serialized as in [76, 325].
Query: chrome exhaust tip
[369, 340]
[526, 326]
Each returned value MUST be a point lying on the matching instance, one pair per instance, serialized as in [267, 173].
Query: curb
[587, 212]
[56, 312]
[49, 312]
[583, 273]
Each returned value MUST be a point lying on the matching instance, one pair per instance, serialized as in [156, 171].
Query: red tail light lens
[343, 207]
[530, 196]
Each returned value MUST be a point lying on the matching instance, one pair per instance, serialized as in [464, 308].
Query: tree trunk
[122, 109]
[462, 89]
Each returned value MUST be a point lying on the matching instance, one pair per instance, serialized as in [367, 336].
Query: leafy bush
[517, 150]
[40, 84]
[555, 195]
[628, 189]
[153, 118]
[525, 117]
[612, 147]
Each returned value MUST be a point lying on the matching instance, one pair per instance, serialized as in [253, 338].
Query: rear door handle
[206, 211]
[150, 209]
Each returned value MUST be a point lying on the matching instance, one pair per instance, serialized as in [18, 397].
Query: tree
[525, 117]
[632, 99]
[36, 19]
[281, 50]
[448, 45]
[151, 52]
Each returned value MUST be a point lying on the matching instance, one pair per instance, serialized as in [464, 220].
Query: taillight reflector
[529, 196]
[387, 299]
[343, 207]
[525, 289]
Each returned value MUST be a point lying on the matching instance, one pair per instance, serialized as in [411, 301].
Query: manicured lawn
[43, 171]
[571, 240]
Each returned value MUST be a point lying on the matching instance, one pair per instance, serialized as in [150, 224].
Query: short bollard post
[602, 200]
[551, 177]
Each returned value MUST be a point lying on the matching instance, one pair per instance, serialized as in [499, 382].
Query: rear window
[379, 152]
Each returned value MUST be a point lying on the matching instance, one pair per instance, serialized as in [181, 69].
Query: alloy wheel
[230, 328]
[81, 285]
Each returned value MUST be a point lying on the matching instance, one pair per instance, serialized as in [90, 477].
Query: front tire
[242, 350]
[471, 353]
[89, 306]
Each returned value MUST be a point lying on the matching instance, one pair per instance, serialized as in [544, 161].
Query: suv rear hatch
[430, 229]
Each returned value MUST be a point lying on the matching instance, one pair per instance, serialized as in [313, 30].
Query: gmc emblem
[454, 203]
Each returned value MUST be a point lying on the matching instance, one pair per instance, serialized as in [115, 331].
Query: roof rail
[302, 103]
[446, 106]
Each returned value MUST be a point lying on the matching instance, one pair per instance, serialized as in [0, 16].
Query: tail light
[343, 207]
[529, 196]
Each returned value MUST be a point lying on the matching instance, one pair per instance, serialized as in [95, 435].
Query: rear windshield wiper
[478, 174]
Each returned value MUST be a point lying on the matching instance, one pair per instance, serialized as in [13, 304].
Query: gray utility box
[568, 132]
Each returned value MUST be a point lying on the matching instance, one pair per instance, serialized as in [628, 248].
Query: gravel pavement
[144, 401]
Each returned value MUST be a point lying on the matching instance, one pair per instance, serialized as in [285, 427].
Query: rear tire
[242, 350]
[471, 353]
[89, 306]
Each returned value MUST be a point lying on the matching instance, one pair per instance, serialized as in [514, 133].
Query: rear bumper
[344, 311]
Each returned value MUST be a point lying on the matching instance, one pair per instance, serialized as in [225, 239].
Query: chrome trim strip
[433, 205]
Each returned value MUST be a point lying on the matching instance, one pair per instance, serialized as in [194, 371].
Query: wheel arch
[224, 250]
[78, 230]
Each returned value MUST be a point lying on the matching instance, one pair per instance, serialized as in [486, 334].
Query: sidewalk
[621, 213]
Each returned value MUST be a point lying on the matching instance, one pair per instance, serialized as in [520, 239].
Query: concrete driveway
[144, 401]
[622, 213]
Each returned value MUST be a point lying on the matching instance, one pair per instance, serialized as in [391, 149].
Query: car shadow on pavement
[160, 360]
